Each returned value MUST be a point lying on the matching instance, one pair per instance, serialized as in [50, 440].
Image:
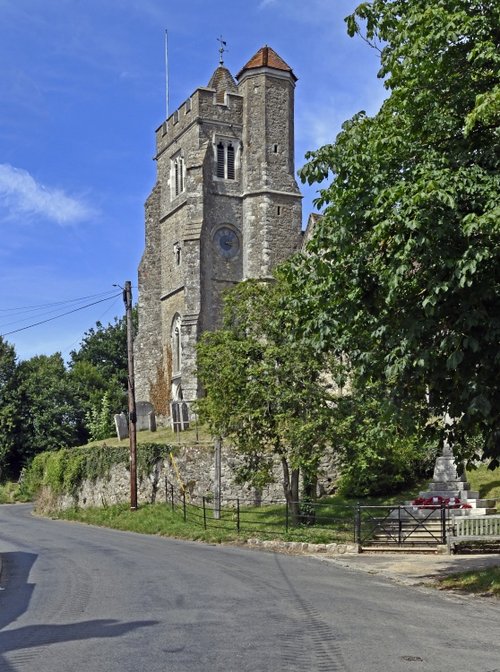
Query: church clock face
[227, 242]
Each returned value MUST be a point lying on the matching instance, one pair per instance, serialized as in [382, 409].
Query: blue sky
[82, 89]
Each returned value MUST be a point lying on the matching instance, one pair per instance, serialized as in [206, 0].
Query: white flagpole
[166, 70]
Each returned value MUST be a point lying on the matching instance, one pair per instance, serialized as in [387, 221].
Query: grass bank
[163, 435]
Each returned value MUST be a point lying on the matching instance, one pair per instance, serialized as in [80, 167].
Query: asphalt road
[88, 599]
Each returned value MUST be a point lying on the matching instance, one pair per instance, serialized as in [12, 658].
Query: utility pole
[217, 477]
[132, 415]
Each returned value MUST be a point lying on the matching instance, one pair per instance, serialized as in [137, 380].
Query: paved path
[82, 598]
[415, 568]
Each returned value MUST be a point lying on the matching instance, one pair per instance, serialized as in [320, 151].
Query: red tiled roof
[266, 58]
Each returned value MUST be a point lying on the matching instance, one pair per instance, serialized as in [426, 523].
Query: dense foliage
[105, 347]
[98, 371]
[45, 406]
[8, 404]
[47, 412]
[402, 274]
[382, 446]
[263, 392]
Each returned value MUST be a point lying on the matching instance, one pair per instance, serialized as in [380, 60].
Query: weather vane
[222, 49]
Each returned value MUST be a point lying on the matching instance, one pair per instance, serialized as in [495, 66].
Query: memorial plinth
[452, 489]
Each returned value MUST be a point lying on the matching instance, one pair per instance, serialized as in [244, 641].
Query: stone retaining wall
[191, 467]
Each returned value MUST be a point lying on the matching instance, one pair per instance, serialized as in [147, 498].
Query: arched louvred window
[220, 160]
[230, 162]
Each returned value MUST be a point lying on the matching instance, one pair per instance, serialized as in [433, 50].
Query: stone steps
[410, 532]
[447, 494]
[406, 548]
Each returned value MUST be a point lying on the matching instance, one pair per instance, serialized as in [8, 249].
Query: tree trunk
[291, 490]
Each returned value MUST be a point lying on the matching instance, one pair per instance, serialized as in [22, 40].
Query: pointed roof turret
[222, 81]
[266, 57]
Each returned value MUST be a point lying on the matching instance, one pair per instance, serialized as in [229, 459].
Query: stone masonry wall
[193, 467]
[148, 344]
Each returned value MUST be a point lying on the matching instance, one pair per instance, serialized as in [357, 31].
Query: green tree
[100, 367]
[383, 445]
[106, 348]
[89, 385]
[263, 391]
[402, 273]
[48, 410]
[9, 406]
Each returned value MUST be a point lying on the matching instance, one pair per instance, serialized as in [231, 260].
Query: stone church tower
[225, 207]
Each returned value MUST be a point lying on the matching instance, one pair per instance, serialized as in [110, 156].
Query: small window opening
[177, 349]
[178, 254]
[278, 209]
[226, 161]
[220, 160]
[275, 149]
[181, 174]
[230, 162]
[176, 345]
[178, 176]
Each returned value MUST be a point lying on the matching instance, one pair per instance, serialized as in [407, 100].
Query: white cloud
[23, 195]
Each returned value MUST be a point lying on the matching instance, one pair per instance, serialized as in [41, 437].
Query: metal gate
[400, 525]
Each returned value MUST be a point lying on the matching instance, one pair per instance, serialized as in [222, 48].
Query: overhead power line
[50, 319]
[57, 303]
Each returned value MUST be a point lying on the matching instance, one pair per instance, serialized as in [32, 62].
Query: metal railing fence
[270, 517]
[327, 522]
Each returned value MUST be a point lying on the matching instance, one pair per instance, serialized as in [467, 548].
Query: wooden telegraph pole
[132, 414]
[217, 478]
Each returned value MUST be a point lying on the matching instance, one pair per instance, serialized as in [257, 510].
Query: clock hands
[227, 242]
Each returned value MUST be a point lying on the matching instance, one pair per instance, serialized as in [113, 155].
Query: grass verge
[486, 481]
[156, 519]
[484, 582]
[264, 522]
[9, 493]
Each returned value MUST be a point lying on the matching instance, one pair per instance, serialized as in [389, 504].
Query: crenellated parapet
[204, 106]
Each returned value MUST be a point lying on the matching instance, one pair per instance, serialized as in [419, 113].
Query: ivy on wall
[63, 471]
[160, 391]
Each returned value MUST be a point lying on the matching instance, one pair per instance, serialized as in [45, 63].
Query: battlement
[201, 106]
